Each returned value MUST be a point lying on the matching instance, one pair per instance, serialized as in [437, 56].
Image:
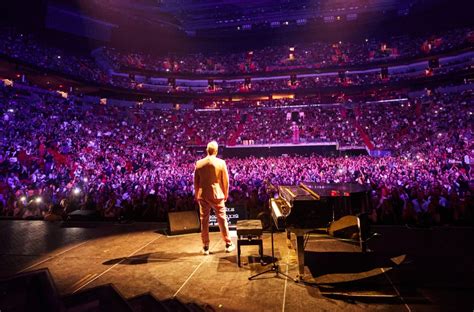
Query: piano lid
[294, 192]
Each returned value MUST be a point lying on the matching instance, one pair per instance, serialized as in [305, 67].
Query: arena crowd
[58, 155]
[315, 55]
[100, 68]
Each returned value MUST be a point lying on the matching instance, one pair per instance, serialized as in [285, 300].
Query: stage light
[85, 179]
[23, 198]
[76, 191]
[38, 200]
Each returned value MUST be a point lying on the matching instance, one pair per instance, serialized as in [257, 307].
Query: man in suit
[211, 190]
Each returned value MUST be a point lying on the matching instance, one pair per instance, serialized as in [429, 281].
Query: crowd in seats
[209, 125]
[58, 155]
[315, 124]
[314, 55]
[331, 80]
[30, 49]
[439, 122]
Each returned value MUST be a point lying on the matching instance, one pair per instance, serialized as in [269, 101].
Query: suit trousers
[219, 209]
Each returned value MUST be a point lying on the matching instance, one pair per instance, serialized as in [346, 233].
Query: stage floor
[138, 258]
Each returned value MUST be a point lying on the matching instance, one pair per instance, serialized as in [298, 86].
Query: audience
[58, 155]
[314, 55]
[341, 56]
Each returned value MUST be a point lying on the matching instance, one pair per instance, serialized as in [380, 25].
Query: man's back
[211, 179]
[211, 189]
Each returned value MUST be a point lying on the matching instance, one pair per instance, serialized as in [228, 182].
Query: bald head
[212, 148]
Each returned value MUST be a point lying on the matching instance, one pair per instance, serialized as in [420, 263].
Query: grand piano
[304, 208]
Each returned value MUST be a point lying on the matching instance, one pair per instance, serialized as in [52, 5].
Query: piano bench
[249, 232]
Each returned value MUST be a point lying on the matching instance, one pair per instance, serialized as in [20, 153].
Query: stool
[249, 232]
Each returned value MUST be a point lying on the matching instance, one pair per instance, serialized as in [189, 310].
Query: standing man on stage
[211, 189]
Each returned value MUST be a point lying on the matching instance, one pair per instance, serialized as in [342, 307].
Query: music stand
[275, 267]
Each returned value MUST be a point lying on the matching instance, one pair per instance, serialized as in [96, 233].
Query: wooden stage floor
[138, 258]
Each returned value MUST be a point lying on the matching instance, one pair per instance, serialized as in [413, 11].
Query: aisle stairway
[365, 137]
[355, 121]
[234, 136]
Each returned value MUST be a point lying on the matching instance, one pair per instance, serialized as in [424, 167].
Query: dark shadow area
[265, 260]
[24, 291]
[352, 299]
[437, 256]
[22, 237]
[163, 231]
[249, 260]
[374, 289]
[73, 224]
[437, 272]
[228, 259]
[322, 263]
[149, 258]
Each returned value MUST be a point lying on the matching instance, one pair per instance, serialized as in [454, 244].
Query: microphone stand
[275, 268]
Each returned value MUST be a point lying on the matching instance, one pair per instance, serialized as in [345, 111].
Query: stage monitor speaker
[345, 227]
[182, 222]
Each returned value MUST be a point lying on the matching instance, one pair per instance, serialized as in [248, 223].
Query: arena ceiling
[193, 15]
[199, 15]
[160, 26]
